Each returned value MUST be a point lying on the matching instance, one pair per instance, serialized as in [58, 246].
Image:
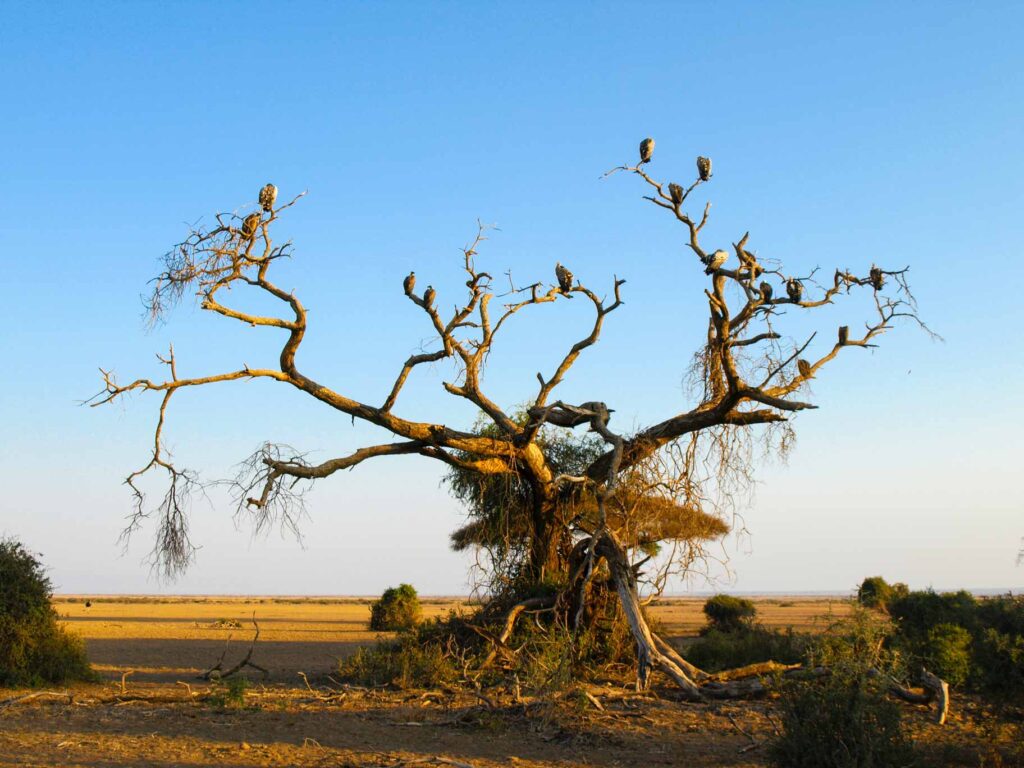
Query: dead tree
[748, 375]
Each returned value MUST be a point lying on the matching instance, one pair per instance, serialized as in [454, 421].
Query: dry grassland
[158, 720]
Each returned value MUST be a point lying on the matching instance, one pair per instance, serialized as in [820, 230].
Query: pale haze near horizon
[840, 136]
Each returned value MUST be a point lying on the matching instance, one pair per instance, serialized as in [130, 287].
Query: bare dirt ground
[157, 720]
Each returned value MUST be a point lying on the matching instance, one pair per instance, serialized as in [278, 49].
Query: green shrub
[729, 614]
[947, 653]
[876, 592]
[405, 663]
[34, 648]
[398, 609]
[918, 612]
[1004, 614]
[856, 643]
[229, 692]
[841, 721]
[717, 650]
[999, 665]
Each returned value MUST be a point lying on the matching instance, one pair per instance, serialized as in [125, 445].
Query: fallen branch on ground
[216, 672]
[37, 695]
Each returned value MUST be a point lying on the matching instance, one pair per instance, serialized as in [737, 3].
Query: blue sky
[841, 134]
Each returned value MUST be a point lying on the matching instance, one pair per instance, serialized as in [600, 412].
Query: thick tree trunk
[547, 560]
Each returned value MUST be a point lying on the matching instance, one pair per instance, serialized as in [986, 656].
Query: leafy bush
[1004, 614]
[398, 609]
[230, 692]
[34, 648]
[405, 663]
[717, 650]
[726, 613]
[876, 592]
[999, 665]
[918, 612]
[979, 643]
[856, 643]
[842, 721]
[947, 653]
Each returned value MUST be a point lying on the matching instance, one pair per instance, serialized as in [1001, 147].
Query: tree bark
[546, 559]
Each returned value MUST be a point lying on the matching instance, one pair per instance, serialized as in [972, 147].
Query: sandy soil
[157, 721]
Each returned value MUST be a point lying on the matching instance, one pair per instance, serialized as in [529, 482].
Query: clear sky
[841, 134]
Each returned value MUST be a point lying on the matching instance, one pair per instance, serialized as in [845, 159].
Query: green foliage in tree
[397, 609]
[34, 648]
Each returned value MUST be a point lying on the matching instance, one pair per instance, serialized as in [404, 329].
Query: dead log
[940, 690]
[752, 670]
[37, 695]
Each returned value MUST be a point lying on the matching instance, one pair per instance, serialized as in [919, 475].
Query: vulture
[646, 150]
[877, 278]
[249, 225]
[766, 291]
[596, 406]
[409, 283]
[794, 289]
[804, 367]
[676, 192]
[564, 276]
[844, 335]
[563, 418]
[428, 296]
[268, 196]
[704, 167]
[716, 260]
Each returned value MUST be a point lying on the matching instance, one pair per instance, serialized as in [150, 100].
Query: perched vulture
[564, 277]
[704, 167]
[268, 196]
[563, 418]
[794, 289]
[766, 291]
[409, 283]
[428, 296]
[676, 192]
[877, 278]
[249, 225]
[844, 335]
[804, 367]
[596, 406]
[646, 150]
[716, 260]
[557, 416]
